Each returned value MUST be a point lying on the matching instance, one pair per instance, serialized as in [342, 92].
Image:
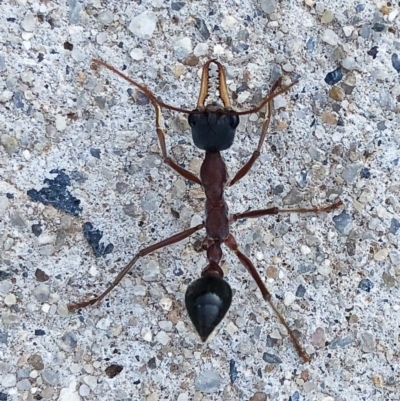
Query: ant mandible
[213, 126]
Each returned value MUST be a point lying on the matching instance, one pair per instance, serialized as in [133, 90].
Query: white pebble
[279, 102]
[10, 299]
[68, 394]
[9, 380]
[218, 49]
[348, 30]
[228, 22]
[61, 123]
[196, 220]
[45, 308]
[5, 96]
[330, 37]
[146, 334]
[163, 338]
[143, 25]
[29, 22]
[305, 250]
[101, 38]
[93, 271]
[183, 47]
[91, 381]
[381, 255]
[201, 49]
[243, 96]
[393, 14]
[289, 298]
[166, 304]
[231, 328]
[84, 390]
[136, 54]
[325, 269]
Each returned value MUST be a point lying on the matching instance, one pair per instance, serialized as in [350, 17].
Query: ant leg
[143, 252]
[275, 210]
[157, 104]
[256, 154]
[247, 263]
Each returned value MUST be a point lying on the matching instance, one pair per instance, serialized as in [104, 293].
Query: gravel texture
[83, 188]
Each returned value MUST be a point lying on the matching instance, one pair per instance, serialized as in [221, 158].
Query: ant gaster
[213, 127]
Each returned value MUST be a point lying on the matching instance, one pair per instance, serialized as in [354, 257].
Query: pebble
[24, 385]
[9, 380]
[10, 299]
[9, 143]
[318, 338]
[366, 285]
[351, 172]
[36, 362]
[289, 298]
[394, 226]
[396, 62]
[84, 390]
[334, 76]
[201, 49]
[143, 25]
[208, 381]
[337, 93]
[269, 6]
[381, 255]
[91, 381]
[348, 63]
[50, 377]
[343, 222]
[69, 394]
[182, 47]
[271, 358]
[202, 27]
[228, 22]
[163, 338]
[42, 293]
[330, 37]
[367, 342]
[61, 123]
[137, 54]
[28, 23]
[106, 17]
[327, 17]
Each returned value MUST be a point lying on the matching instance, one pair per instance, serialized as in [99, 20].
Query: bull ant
[213, 128]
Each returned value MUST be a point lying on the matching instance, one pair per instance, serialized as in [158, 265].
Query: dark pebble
[381, 126]
[278, 189]
[3, 337]
[69, 339]
[108, 249]
[36, 229]
[113, 370]
[295, 396]
[40, 332]
[366, 285]
[340, 342]
[41, 276]
[378, 27]
[272, 359]
[93, 238]
[233, 373]
[360, 7]
[394, 226]
[4, 275]
[305, 268]
[40, 57]
[311, 44]
[396, 62]
[95, 153]
[10, 19]
[122, 187]
[176, 6]
[202, 27]
[56, 194]
[373, 52]
[152, 363]
[36, 362]
[271, 342]
[17, 99]
[3, 396]
[9, 196]
[177, 271]
[365, 173]
[300, 292]
[334, 76]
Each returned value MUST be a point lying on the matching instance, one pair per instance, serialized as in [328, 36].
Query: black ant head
[213, 126]
[212, 129]
[207, 300]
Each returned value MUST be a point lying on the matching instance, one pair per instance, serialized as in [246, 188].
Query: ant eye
[233, 121]
[192, 120]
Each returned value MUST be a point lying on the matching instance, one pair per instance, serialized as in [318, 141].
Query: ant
[213, 126]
